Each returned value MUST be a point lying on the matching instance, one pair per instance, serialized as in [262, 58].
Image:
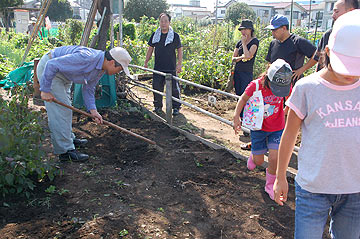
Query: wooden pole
[120, 42]
[36, 84]
[111, 24]
[39, 21]
[89, 23]
[168, 82]
[291, 14]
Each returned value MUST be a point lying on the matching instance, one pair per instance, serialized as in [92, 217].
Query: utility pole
[291, 14]
[216, 19]
[317, 21]
[120, 38]
[111, 24]
[309, 16]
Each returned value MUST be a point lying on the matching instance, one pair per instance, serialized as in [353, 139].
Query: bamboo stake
[40, 19]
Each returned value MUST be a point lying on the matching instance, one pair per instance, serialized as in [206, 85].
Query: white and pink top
[329, 156]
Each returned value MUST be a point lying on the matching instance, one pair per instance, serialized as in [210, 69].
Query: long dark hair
[267, 82]
[324, 59]
[266, 79]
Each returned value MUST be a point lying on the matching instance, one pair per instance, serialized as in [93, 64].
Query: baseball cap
[277, 21]
[246, 24]
[280, 74]
[32, 20]
[344, 44]
[121, 57]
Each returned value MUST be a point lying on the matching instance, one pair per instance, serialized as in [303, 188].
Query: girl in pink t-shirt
[326, 105]
[274, 86]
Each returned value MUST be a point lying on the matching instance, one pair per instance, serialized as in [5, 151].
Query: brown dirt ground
[129, 189]
[214, 130]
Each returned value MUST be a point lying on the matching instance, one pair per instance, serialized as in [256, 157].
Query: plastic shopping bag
[254, 110]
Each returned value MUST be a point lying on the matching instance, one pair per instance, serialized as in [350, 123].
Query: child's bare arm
[239, 107]
[286, 147]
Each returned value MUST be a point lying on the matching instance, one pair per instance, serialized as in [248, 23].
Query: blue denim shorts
[313, 209]
[262, 141]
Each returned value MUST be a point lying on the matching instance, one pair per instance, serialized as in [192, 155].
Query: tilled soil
[129, 189]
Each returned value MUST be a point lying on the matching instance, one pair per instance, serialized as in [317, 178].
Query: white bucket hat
[344, 44]
[122, 57]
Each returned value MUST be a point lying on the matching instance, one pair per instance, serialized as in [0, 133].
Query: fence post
[36, 80]
[168, 80]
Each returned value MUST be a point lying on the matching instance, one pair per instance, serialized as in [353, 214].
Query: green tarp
[19, 76]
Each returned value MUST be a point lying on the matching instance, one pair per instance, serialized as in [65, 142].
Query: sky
[209, 4]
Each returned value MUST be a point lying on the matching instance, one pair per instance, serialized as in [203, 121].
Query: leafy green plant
[70, 33]
[146, 27]
[5, 66]
[51, 189]
[22, 162]
[123, 233]
[62, 191]
[160, 209]
[129, 30]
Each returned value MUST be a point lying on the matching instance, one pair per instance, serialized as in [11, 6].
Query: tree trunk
[103, 34]
[6, 19]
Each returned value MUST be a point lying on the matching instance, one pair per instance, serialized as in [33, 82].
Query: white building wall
[22, 20]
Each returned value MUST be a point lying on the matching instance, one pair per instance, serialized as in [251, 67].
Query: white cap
[344, 44]
[122, 57]
[32, 20]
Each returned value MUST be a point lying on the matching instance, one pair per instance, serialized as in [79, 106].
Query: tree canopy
[60, 10]
[10, 3]
[238, 11]
[4, 4]
[135, 9]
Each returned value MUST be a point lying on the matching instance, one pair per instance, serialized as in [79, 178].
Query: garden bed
[128, 189]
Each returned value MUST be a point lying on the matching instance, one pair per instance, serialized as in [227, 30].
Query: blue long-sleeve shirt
[79, 64]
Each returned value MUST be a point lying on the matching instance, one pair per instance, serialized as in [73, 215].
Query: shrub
[146, 27]
[22, 161]
[129, 30]
[71, 32]
[5, 66]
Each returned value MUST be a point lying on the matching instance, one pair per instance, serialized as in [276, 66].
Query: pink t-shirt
[274, 118]
[329, 155]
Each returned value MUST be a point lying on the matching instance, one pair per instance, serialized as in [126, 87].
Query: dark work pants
[158, 84]
[241, 81]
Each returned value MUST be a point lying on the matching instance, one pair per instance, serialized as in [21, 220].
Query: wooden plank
[89, 23]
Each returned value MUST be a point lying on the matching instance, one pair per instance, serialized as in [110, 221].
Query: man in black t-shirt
[289, 47]
[165, 42]
[341, 7]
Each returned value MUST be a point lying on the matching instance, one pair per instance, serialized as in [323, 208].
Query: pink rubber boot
[250, 163]
[270, 179]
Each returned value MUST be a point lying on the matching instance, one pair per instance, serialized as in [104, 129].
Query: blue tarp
[19, 76]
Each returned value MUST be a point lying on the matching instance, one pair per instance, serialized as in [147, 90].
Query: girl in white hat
[326, 105]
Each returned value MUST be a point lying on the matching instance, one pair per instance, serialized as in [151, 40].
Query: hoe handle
[106, 122]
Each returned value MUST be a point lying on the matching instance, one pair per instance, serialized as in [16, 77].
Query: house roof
[248, 2]
[197, 9]
[319, 6]
[282, 5]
